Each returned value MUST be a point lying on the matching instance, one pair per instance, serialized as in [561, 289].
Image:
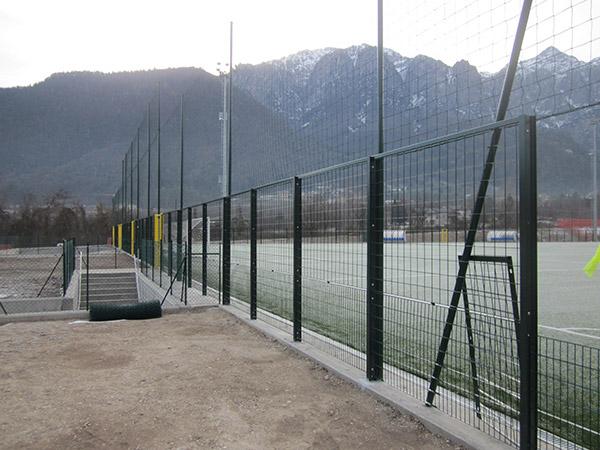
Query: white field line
[570, 331]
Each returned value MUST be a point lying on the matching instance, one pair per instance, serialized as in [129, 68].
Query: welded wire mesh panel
[166, 262]
[240, 249]
[334, 213]
[430, 195]
[569, 400]
[196, 248]
[215, 230]
[274, 222]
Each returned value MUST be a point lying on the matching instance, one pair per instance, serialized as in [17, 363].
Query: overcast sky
[40, 37]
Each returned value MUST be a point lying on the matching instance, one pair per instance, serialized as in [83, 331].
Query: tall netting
[202, 144]
[170, 159]
[308, 110]
[155, 155]
[144, 172]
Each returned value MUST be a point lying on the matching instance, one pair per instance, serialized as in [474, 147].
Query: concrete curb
[433, 419]
[187, 309]
[84, 315]
[44, 316]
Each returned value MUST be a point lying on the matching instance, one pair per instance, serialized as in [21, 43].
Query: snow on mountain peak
[552, 58]
[303, 62]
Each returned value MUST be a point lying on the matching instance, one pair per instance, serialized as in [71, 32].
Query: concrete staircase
[113, 287]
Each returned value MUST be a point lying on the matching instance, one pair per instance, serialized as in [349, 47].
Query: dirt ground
[201, 380]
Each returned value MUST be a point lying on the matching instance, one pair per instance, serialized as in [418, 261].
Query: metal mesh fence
[274, 253]
[37, 279]
[569, 393]
[214, 275]
[429, 196]
[240, 250]
[334, 214]
[445, 326]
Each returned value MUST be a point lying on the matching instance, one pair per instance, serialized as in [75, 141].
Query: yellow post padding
[158, 233]
[113, 236]
[444, 235]
[158, 227]
[120, 235]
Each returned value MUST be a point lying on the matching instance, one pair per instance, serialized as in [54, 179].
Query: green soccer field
[568, 301]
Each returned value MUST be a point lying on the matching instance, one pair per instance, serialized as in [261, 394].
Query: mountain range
[304, 111]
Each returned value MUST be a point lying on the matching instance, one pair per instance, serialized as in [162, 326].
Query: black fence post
[204, 247]
[73, 257]
[160, 251]
[189, 247]
[170, 245]
[64, 266]
[375, 271]
[152, 243]
[87, 277]
[226, 249]
[179, 241]
[528, 280]
[253, 300]
[297, 305]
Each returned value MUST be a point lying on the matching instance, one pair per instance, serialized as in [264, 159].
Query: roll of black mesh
[130, 311]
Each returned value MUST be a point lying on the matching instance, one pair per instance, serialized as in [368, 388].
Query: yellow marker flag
[592, 265]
